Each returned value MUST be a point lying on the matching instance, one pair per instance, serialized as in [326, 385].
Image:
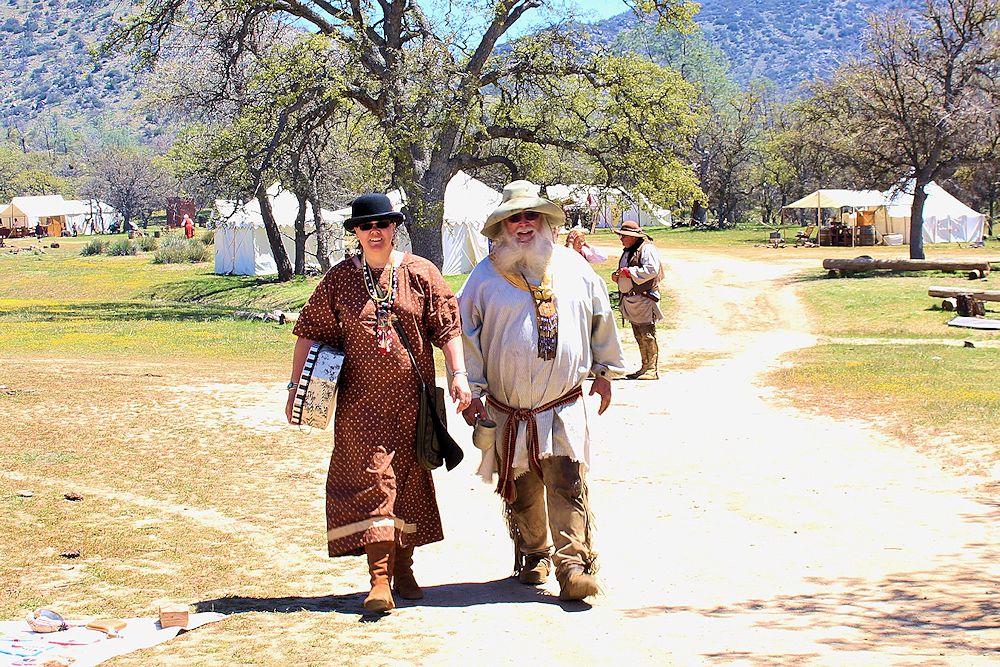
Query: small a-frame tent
[467, 204]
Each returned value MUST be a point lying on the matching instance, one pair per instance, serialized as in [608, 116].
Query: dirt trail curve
[732, 529]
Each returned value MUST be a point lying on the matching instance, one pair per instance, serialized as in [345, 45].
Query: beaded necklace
[383, 305]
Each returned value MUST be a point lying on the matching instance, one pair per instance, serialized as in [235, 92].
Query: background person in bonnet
[379, 501]
[577, 240]
[638, 278]
[537, 321]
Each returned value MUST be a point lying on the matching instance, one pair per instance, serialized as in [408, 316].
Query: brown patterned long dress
[375, 491]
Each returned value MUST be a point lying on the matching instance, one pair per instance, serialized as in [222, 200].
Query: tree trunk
[917, 218]
[993, 199]
[274, 236]
[426, 214]
[322, 233]
[300, 235]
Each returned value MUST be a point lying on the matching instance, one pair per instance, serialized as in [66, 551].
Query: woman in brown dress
[379, 501]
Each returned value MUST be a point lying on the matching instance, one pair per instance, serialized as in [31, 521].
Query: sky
[586, 10]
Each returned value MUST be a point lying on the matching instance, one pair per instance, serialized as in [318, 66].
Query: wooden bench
[968, 302]
[844, 267]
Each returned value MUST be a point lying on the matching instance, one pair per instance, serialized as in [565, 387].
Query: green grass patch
[884, 305]
[910, 388]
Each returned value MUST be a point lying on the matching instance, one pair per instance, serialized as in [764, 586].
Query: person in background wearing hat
[379, 501]
[536, 321]
[638, 276]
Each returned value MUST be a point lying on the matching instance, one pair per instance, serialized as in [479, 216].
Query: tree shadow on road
[953, 606]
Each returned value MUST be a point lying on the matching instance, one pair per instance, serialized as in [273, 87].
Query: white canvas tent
[241, 244]
[946, 219]
[603, 201]
[89, 216]
[467, 204]
[840, 199]
[31, 211]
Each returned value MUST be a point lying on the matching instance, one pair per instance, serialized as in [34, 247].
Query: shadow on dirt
[500, 591]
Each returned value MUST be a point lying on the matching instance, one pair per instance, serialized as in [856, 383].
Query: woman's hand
[460, 392]
[288, 405]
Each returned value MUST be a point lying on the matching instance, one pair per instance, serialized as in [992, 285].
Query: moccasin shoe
[535, 570]
[575, 584]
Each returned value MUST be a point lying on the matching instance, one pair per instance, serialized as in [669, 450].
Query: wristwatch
[292, 385]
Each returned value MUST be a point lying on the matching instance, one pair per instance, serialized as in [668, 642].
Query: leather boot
[403, 581]
[535, 570]
[643, 344]
[575, 584]
[380, 556]
[651, 364]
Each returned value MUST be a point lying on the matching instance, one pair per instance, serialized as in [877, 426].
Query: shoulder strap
[405, 340]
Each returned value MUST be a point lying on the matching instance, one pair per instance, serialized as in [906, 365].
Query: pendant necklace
[545, 316]
[383, 305]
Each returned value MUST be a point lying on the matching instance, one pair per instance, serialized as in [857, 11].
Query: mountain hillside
[48, 66]
[787, 41]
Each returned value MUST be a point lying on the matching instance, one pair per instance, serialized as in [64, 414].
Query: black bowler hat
[372, 206]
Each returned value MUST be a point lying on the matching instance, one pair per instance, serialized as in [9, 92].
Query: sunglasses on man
[368, 226]
[529, 216]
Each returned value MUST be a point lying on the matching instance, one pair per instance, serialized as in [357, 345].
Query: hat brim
[554, 215]
[351, 223]
[629, 232]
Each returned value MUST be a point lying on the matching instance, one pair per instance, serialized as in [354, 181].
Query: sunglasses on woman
[368, 226]
[530, 216]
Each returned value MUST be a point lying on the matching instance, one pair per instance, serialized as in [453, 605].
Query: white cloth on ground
[21, 646]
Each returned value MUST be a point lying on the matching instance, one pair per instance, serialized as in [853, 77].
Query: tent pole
[819, 223]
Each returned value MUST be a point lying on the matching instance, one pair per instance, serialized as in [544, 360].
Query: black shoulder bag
[434, 445]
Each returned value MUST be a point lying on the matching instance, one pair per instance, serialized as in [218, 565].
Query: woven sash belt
[505, 485]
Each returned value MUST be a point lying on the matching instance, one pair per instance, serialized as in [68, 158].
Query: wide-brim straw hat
[371, 206]
[631, 228]
[522, 196]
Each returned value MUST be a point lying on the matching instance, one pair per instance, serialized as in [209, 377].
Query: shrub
[122, 248]
[147, 243]
[208, 237]
[94, 247]
[176, 250]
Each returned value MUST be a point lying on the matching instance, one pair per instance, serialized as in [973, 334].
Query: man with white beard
[536, 323]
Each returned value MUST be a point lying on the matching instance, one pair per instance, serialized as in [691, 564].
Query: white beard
[512, 257]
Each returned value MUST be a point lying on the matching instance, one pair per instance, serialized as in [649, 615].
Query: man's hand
[603, 387]
[471, 413]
